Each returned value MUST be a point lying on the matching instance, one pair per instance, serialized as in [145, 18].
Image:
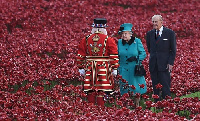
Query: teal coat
[126, 69]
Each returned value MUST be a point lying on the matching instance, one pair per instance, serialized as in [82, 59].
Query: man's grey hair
[159, 16]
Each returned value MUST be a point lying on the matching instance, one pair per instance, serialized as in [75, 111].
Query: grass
[196, 94]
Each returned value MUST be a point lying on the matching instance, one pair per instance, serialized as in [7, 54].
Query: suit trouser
[162, 77]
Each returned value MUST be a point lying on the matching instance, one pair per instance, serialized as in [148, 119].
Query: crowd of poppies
[38, 45]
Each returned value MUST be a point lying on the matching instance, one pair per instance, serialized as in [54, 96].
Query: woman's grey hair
[131, 33]
[159, 16]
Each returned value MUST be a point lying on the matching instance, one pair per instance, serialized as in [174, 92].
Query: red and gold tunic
[98, 55]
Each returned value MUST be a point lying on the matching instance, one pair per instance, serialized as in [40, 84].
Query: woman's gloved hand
[132, 58]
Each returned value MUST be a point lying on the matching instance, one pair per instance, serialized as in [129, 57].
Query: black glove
[133, 58]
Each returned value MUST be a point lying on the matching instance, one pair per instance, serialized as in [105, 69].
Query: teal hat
[125, 27]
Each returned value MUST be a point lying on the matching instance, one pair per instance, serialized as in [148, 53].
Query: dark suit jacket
[164, 51]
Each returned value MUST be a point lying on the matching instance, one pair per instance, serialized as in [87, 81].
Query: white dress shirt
[160, 30]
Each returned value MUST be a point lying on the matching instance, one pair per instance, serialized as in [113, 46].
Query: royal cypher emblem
[94, 47]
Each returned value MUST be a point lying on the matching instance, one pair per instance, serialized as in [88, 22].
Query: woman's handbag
[139, 69]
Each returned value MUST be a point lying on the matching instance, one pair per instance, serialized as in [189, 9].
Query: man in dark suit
[161, 44]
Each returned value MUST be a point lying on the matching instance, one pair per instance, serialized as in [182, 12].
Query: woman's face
[126, 35]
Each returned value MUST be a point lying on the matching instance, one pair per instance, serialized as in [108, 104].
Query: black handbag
[139, 69]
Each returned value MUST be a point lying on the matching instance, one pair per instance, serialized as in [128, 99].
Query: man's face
[126, 35]
[157, 23]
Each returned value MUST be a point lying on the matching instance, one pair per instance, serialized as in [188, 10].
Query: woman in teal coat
[130, 49]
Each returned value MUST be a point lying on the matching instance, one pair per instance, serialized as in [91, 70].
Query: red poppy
[168, 97]
[119, 77]
[177, 99]
[133, 87]
[142, 86]
[137, 95]
[155, 96]
[125, 95]
[159, 86]
[124, 81]
[148, 104]
[145, 96]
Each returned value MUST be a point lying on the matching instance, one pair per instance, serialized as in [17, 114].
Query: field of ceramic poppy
[39, 79]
